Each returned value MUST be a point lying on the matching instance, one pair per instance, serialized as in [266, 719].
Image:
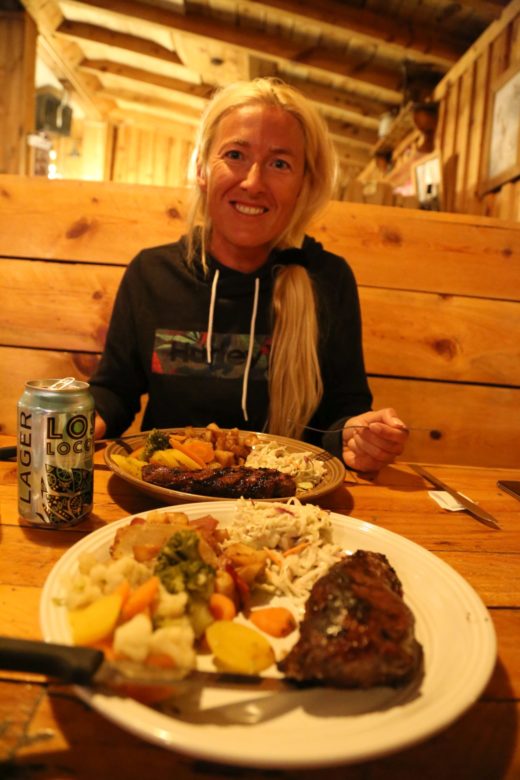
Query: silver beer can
[55, 443]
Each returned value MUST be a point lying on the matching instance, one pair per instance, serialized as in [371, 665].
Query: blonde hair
[295, 384]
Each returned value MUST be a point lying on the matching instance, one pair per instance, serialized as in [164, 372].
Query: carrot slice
[160, 660]
[275, 621]
[185, 448]
[139, 599]
[123, 589]
[203, 449]
[296, 549]
[221, 607]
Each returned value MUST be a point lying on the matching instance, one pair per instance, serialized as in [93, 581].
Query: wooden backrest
[440, 296]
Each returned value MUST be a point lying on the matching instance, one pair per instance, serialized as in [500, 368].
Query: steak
[356, 632]
[225, 482]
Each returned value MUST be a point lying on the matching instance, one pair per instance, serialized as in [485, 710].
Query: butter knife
[469, 506]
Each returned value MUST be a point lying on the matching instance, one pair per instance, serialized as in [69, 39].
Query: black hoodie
[157, 343]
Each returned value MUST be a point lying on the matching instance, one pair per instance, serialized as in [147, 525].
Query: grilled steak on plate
[225, 482]
[357, 632]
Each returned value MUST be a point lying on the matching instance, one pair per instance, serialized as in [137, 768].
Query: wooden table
[47, 733]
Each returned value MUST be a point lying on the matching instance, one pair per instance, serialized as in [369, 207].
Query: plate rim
[169, 739]
[174, 496]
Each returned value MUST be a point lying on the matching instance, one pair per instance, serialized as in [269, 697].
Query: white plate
[316, 727]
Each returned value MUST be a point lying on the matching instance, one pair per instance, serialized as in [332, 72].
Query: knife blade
[469, 506]
[87, 666]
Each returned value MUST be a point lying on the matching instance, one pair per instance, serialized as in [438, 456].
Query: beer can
[55, 443]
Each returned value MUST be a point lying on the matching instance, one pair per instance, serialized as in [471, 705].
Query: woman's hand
[99, 427]
[380, 438]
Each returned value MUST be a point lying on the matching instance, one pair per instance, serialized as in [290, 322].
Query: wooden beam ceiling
[166, 60]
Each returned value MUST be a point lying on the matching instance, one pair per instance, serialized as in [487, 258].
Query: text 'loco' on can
[55, 452]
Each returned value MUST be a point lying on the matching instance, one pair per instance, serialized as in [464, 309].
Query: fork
[324, 456]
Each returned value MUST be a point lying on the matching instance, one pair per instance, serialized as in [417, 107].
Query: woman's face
[253, 178]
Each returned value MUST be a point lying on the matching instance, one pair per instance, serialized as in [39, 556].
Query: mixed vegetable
[190, 449]
[174, 587]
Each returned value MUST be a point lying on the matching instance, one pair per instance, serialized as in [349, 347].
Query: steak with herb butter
[357, 632]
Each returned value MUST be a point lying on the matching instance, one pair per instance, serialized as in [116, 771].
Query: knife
[87, 666]
[470, 506]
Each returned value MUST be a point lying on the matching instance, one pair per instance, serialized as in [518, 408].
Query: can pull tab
[62, 383]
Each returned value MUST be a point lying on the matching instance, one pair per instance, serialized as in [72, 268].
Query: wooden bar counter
[48, 733]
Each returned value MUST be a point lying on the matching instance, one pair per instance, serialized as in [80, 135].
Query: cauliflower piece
[175, 641]
[105, 577]
[86, 562]
[131, 639]
[126, 568]
[169, 605]
[81, 592]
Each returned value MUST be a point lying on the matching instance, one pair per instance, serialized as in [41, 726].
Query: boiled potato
[166, 458]
[224, 457]
[97, 621]
[129, 465]
[238, 648]
[185, 460]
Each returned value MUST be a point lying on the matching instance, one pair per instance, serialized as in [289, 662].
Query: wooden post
[18, 35]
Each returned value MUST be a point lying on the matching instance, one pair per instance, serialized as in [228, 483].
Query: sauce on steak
[225, 482]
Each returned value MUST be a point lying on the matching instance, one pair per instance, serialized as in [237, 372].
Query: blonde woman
[247, 321]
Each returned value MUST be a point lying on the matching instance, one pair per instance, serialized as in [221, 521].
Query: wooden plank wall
[465, 96]
[146, 154]
[440, 298]
[17, 63]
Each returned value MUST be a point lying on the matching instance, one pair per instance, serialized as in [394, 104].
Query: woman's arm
[120, 380]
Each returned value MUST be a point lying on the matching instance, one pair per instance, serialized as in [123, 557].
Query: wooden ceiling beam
[351, 153]
[62, 60]
[178, 111]
[202, 91]
[487, 9]
[339, 98]
[362, 73]
[352, 132]
[91, 32]
[345, 130]
[398, 37]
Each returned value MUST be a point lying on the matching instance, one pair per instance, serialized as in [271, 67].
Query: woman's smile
[248, 210]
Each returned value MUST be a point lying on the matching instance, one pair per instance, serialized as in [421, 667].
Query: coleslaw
[300, 536]
[303, 466]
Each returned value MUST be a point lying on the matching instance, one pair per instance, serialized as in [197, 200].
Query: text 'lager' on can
[55, 443]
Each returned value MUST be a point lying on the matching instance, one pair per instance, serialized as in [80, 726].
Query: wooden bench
[440, 298]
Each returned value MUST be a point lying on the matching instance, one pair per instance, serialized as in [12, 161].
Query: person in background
[246, 321]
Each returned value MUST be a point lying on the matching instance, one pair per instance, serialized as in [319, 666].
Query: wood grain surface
[439, 297]
[46, 732]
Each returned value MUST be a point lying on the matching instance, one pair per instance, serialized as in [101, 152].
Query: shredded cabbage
[303, 466]
[281, 527]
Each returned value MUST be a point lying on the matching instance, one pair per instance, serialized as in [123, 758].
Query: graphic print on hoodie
[184, 353]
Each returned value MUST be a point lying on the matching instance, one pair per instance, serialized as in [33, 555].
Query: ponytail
[295, 383]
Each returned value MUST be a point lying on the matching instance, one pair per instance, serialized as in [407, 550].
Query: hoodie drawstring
[211, 315]
[245, 378]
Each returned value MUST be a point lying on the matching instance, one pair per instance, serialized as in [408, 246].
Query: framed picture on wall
[501, 161]
[428, 182]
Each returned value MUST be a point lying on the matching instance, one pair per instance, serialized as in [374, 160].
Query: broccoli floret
[156, 440]
[180, 567]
